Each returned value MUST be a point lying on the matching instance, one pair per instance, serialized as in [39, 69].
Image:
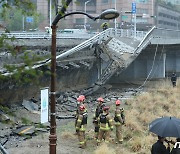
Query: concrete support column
[99, 67]
[164, 65]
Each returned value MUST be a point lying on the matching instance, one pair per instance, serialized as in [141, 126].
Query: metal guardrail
[166, 33]
[45, 35]
[158, 32]
[42, 35]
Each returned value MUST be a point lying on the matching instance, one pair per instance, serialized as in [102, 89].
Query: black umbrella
[166, 127]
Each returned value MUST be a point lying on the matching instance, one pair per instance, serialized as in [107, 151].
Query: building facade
[148, 14]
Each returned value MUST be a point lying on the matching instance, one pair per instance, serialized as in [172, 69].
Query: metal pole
[50, 14]
[23, 22]
[53, 136]
[134, 24]
[85, 16]
[115, 21]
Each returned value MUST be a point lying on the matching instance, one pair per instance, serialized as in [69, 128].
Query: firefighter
[119, 120]
[104, 26]
[80, 100]
[81, 126]
[99, 110]
[173, 79]
[105, 125]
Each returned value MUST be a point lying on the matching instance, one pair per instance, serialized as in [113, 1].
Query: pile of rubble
[14, 131]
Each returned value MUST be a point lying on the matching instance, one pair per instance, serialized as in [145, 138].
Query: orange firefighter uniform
[99, 110]
[105, 125]
[81, 126]
[119, 120]
[80, 101]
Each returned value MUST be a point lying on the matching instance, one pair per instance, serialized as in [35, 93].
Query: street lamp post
[85, 18]
[106, 15]
[115, 22]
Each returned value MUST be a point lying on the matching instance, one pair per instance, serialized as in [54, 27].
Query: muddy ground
[67, 142]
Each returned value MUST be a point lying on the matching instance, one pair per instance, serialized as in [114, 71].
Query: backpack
[103, 118]
[84, 120]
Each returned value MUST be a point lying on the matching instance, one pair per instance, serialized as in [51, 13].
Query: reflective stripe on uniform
[98, 141]
[83, 142]
[118, 115]
[117, 123]
[79, 120]
[82, 128]
[105, 128]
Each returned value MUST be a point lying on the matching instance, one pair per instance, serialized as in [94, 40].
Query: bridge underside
[154, 62]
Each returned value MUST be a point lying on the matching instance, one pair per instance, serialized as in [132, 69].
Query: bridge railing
[42, 35]
[166, 33]
[158, 32]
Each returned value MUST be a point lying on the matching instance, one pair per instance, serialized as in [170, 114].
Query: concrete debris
[70, 109]
[29, 105]
[33, 100]
[3, 150]
[65, 117]
[105, 57]
[71, 99]
[42, 130]
[3, 117]
[25, 130]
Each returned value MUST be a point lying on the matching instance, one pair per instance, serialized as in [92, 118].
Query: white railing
[158, 32]
[45, 35]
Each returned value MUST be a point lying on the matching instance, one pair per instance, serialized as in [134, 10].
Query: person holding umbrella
[176, 150]
[164, 127]
[159, 147]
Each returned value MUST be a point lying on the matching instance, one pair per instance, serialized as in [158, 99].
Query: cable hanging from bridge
[151, 68]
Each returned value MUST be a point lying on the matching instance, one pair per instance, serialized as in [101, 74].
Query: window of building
[141, 11]
[80, 21]
[142, 1]
[104, 1]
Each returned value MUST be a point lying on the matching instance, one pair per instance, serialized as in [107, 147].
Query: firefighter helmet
[118, 102]
[79, 99]
[106, 108]
[100, 99]
[82, 97]
[82, 108]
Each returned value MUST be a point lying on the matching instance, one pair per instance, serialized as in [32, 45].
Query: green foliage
[39, 125]
[13, 12]
[6, 110]
[14, 18]
[27, 6]
[26, 121]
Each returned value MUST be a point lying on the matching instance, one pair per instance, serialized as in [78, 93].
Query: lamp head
[108, 14]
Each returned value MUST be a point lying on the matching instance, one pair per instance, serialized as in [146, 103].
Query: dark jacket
[173, 78]
[175, 151]
[159, 148]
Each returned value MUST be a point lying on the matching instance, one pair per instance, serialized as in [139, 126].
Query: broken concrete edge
[3, 150]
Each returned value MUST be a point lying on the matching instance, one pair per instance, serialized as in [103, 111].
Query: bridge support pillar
[164, 65]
